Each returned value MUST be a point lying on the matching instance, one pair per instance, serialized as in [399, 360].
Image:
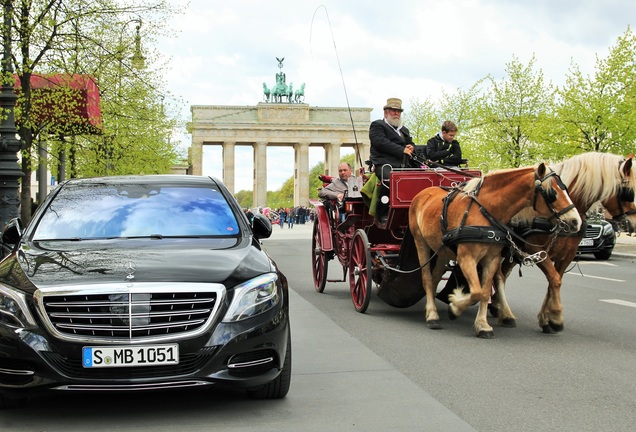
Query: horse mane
[600, 172]
[472, 184]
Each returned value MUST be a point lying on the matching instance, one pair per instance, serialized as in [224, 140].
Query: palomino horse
[590, 177]
[498, 195]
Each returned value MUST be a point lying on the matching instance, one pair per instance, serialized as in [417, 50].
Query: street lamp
[10, 144]
[138, 60]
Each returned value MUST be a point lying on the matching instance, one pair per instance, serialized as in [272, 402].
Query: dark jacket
[387, 147]
[445, 153]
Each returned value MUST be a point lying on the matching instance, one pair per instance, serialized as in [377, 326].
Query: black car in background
[599, 239]
[141, 283]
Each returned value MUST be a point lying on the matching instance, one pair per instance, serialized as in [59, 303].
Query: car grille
[593, 231]
[188, 364]
[133, 314]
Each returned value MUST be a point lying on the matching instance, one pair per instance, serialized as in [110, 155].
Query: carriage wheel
[319, 262]
[360, 271]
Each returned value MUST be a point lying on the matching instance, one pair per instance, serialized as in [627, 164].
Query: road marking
[605, 263]
[597, 277]
[620, 302]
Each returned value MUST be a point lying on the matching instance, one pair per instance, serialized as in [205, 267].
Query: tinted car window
[106, 211]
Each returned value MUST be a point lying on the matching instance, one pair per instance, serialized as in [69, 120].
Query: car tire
[278, 388]
[603, 255]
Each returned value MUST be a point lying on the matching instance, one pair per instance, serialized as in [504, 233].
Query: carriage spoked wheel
[319, 262]
[360, 271]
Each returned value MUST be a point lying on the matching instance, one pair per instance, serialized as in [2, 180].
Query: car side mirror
[11, 235]
[261, 227]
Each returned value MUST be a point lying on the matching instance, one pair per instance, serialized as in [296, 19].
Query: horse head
[555, 202]
[620, 204]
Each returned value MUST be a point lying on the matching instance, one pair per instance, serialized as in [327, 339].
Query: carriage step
[350, 220]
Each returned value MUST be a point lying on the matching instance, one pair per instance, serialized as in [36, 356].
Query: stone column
[196, 156]
[332, 158]
[260, 174]
[363, 152]
[301, 174]
[228, 165]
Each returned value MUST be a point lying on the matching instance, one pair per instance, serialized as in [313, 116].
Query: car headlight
[607, 230]
[253, 297]
[14, 311]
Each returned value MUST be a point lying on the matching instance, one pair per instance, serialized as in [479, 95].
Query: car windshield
[96, 211]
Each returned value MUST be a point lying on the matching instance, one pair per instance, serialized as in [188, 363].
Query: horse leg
[423, 253]
[505, 316]
[550, 316]
[459, 301]
[551, 313]
[432, 316]
[489, 270]
[479, 291]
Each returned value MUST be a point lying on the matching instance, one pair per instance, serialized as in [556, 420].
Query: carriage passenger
[337, 189]
[390, 142]
[443, 147]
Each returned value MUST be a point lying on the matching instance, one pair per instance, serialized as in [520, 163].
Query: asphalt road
[386, 371]
[581, 379]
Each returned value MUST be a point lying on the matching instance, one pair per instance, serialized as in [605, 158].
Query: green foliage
[597, 113]
[244, 198]
[515, 117]
[422, 120]
[102, 39]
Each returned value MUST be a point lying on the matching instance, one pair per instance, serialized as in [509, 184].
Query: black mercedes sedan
[141, 283]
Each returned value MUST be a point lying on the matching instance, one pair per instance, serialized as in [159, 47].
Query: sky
[359, 53]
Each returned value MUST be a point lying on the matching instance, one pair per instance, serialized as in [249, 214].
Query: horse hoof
[486, 334]
[509, 322]
[434, 324]
[493, 311]
[451, 315]
[556, 327]
[548, 330]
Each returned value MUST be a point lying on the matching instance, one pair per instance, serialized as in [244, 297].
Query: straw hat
[394, 103]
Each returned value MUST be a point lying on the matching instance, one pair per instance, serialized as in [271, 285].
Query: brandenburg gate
[270, 124]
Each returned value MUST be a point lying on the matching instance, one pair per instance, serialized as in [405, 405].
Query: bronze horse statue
[299, 95]
[290, 92]
[266, 93]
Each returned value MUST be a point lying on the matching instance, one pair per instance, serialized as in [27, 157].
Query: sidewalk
[625, 244]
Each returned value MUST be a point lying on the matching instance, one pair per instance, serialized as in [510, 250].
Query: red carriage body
[368, 249]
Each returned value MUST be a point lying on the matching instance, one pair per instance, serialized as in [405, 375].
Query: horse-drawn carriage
[428, 227]
[370, 250]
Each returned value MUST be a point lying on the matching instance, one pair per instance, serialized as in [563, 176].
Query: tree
[513, 123]
[244, 198]
[422, 120]
[90, 37]
[597, 113]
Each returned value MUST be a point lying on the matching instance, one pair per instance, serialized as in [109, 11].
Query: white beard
[395, 122]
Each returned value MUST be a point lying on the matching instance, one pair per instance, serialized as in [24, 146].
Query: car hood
[45, 264]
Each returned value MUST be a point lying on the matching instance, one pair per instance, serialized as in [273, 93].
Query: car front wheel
[603, 255]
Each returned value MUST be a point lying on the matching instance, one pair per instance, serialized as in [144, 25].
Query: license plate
[586, 242]
[119, 356]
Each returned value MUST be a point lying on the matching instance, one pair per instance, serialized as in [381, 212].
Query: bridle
[625, 195]
[550, 195]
